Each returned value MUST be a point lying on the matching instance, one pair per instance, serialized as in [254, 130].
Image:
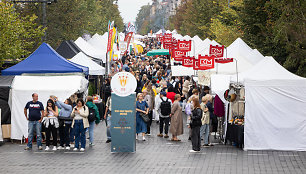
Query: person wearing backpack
[164, 111]
[176, 127]
[93, 118]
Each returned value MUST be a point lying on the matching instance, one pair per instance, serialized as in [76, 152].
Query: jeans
[91, 131]
[108, 132]
[64, 132]
[79, 134]
[195, 138]
[72, 134]
[31, 126]
[51, 129]
[150, 114]
[205, 130]
[163, 121]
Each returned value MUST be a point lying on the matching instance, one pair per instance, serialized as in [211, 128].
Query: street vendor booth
[159, 52]
[275, 102]
[5, 87]
[46, 73]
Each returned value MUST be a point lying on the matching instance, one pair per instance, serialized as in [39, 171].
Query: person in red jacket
[171, 93]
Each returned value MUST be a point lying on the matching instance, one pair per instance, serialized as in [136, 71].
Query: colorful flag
[206, 62]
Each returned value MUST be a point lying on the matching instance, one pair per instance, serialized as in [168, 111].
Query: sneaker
[39, 147]
[82, 149]
[47, 148]
[60, 148]
[54, 148]
[211, 144]
[143, 138]
[160, 135]
[166, 136]
[189, 138]
[136, 137]
[206, 145]
[75, 149]
[27, 148]
[149, 134]
[108, 141]
[91, 144]
[67, 148]
[193, 151]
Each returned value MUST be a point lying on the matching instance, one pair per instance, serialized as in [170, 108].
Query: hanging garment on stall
[218, 107]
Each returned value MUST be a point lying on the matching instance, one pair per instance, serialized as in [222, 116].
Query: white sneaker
[39, 147]
[82, 149]
[67, 148]
[60, 148]
[75, 149]
[54, 148]
[136, 137]
[193, 151]
[47, 148]
[143, 138]
[91, 144]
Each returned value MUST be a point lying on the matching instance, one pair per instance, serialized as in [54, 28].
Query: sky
[130, 8]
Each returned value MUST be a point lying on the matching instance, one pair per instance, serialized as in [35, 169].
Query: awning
[159, 52]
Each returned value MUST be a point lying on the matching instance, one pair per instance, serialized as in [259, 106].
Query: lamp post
[44, 11]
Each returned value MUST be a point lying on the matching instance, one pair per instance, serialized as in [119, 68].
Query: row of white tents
[275, 99]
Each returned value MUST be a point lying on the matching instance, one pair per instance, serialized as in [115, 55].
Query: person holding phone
[80, 123]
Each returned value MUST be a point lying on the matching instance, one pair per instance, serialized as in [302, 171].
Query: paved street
[156, 155]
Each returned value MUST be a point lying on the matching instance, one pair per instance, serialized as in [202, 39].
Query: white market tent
[89, 50]
[275, 117]
[94, 68]
[24, 86]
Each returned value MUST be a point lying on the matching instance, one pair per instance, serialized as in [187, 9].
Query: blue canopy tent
[45, 60]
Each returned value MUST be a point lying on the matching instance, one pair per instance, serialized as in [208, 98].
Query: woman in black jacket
[196, 125]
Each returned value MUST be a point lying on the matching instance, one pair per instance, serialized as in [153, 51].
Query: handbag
[144, 117]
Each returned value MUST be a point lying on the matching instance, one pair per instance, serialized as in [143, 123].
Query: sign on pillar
[123, 116]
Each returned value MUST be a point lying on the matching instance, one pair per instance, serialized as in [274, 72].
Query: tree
[18, 35]
[142, 20]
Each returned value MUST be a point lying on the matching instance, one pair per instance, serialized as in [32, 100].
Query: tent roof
[6, 80]
[44, 60]
[94, 68]
[158, 52]
[68, 49]
[266, 69]
[89, 50]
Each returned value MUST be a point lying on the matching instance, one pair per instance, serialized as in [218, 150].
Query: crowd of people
[161, 97]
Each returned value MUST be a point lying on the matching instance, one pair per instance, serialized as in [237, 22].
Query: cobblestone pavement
[156, 155]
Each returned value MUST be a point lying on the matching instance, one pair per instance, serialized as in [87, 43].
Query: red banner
[224, 60]
[217, 51]
[196, 64]
[167, 46]
[184, 45]
[109, 42]
[178, 55]
[167, 39]
[128, 39]
[206, 62]
[188, 61]
[174, 43]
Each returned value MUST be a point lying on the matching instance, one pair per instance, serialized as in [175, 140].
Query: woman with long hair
[80, 123]
[51, 123]
[196, 125]
[141, 107]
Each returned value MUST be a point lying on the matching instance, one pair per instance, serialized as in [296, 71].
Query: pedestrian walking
[94, 112]
[204, 131]
[176, 127]
[107, 117]
[196, 125]
[141, 107]
[164, 110]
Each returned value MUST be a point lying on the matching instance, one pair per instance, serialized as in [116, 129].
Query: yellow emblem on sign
[123, 80]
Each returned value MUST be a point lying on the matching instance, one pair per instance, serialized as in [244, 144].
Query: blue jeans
[79, 134]
[91, 131]
[72, 134]
[108, 132]
[205, 130]
[31, 126]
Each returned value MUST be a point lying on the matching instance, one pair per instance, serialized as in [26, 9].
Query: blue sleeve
[41, 106]
[137, 105]
[146, 104]
[27, 105]
[63, 105]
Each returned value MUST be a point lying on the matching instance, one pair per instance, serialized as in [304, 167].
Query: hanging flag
[184, 45]
[195, 64]
[128, 39]
[188, 61]
[167, 38]
[217, 51]
[206, 62]
[112, 43]
[224, 60]
[109, 42]
[178, 55]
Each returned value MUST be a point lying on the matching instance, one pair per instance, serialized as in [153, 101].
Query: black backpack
[165, 107]
[92, 115]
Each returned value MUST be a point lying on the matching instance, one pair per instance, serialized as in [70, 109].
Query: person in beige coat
[186, 87]
[80, 123]
[176, 127]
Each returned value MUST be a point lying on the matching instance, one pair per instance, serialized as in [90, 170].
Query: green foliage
[142, 20]
[91, 89]
[18, 35]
